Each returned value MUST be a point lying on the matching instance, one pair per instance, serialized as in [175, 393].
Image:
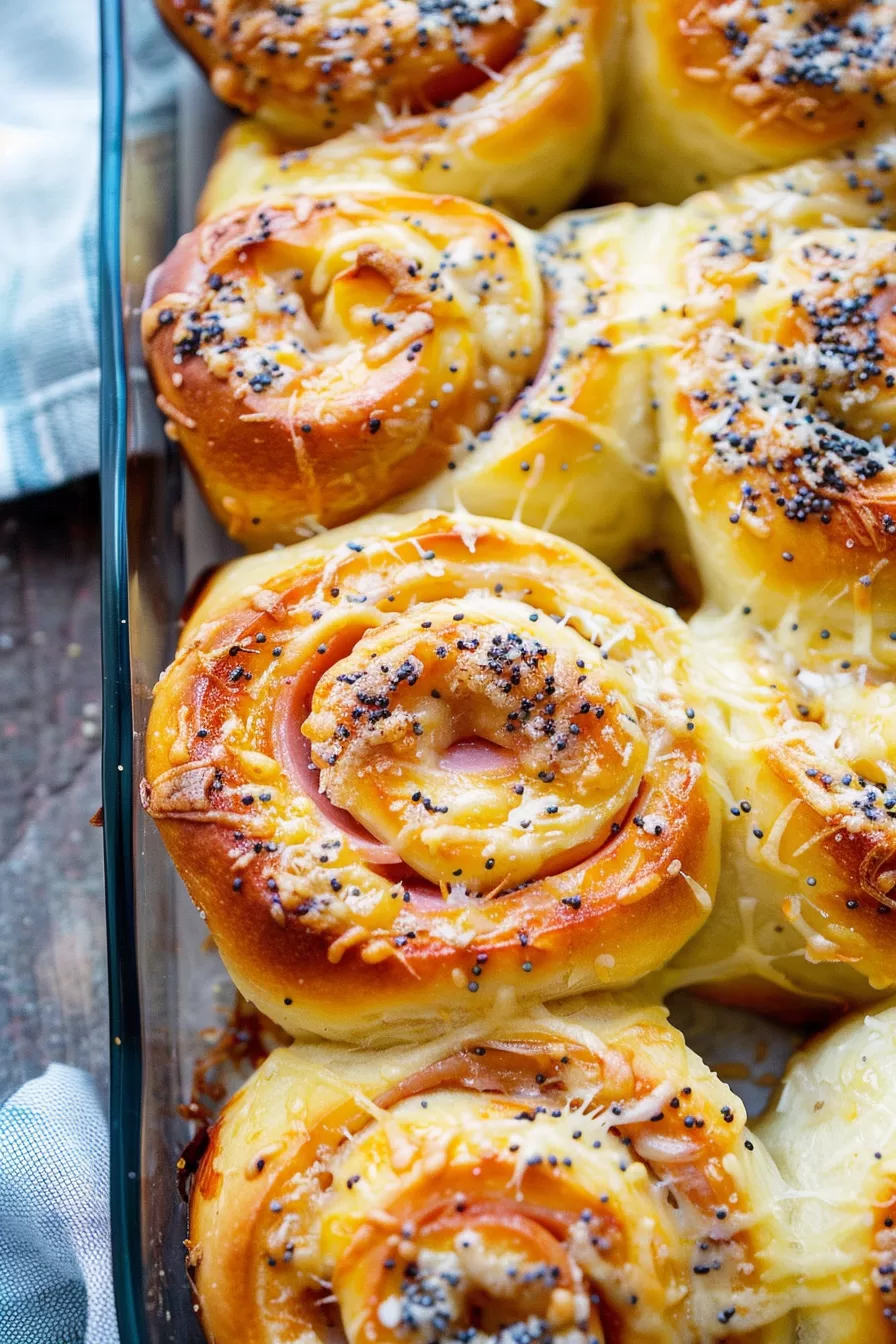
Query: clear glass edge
[125, 1101]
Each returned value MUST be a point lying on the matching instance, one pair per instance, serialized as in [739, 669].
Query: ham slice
[293, 750]
[476, 755]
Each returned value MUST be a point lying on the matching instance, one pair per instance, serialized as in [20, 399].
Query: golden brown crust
[327, 926]
[317, 355]
[829, 343]
[787, 79]
[589, 1143]
[334, 72]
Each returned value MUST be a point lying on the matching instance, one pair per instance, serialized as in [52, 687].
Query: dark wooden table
[52, 940]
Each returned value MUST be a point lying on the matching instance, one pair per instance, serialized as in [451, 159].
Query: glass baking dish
[169, 996]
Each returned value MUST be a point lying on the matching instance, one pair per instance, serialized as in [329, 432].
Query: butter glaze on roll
[317, 356]
[502, 103]
[777, 416]
[418, 764]
[712, 89]
[831, 1132]
[572, 1176]
[805, 762]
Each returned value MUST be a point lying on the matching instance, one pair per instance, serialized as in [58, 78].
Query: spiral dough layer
[579, 1178]
[428, 759]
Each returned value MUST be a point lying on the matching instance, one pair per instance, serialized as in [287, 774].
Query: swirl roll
[712, 89]
[574, 1177]
[502, 103]
[319, 355]
[777, 420]
[831, 1133]
[806, 764]
[430, 758]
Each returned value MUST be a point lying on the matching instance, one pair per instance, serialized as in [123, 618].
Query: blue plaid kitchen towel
[55, 1257]
[49, 180]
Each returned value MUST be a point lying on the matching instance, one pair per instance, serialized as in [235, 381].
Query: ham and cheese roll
[419, 764]
[574, 1176]
[319, 355]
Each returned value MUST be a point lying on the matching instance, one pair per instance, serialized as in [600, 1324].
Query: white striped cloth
[49, 180]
